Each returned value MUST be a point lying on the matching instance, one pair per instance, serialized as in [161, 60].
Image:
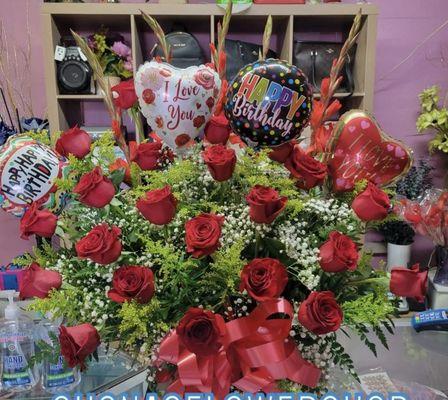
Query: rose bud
[124, 96]
[306, 169]
[148, 156]
[338, 254]
[409, 282]
[74, 141]
[220, 161]
[132, 282]
[281, 153]
[264, 278]
[372, 204]
[201, 332]
[94, 189]
[38, 282]
[101, 244]
[202, 234]
[265, 204]
[119, 163]
[217, 130]
[320, 313]
[158, 206]
[77, 343]
[37, 222]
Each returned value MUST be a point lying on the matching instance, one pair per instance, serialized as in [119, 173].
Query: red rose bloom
[338, 253]
[320, 313]
[94, 189]
[220, 161]
[124, 95]
[265, 204]
[37, 222]
[38, 282]
[198, 121]
[217, 129]
[74, 141]
[77, 343]
[202, 234]
[306, 169]
[372, 204]
[264, 278]
[281, 153]
[147, 155]
[101, 244]
[148, 96]
[158, 206]
[201, 332]
[132, 282]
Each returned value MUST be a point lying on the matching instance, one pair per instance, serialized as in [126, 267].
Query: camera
[74, 75]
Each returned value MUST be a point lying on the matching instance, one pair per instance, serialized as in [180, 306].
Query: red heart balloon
[360, 150]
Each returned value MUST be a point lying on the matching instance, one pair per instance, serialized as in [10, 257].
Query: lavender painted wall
[402, 25]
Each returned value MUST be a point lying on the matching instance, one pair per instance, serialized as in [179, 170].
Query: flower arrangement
[434, 117]
[112, 52]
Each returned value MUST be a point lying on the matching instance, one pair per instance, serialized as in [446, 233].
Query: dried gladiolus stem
[266, 38]
[160, 34]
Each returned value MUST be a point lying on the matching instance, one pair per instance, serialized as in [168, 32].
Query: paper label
[59, 53]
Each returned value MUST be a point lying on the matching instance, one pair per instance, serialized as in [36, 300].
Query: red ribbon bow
[257, 352]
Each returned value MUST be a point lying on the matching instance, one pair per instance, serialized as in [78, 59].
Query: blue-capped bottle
[57, 376]
[17, 372]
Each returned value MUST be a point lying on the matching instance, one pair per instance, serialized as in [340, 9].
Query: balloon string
[411, 54]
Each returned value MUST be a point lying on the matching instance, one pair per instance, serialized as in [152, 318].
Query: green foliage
[49, 351]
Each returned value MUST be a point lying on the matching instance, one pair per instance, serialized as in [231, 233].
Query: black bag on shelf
[316, 58]
[239, 54]
[185, 49]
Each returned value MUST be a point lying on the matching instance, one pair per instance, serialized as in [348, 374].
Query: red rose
[148, 155]
[37, 222]
[101, 244]
[306, 169]
[119, 163]
[201, 332]
[124, 95]
[264, 278]
[74, 141]
[320, 313]
[372, 204]
[338, 254]
[210, 102]
[77, 343]
[409, 282]
[94, 189]
[220, 161]
[265, 204]
[281, 153]
[158, 206]
[217, 130]
[132, 282]
[148, 96]
[202, 234]
[38, 282]
[198, 121]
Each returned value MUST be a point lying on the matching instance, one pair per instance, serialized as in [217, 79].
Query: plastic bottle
[17, 348]
[57, 377]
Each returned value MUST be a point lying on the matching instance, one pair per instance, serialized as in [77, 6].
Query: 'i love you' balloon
[176, 102]
[268, 103]
[360, 150]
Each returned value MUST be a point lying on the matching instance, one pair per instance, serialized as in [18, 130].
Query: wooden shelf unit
[291, 22]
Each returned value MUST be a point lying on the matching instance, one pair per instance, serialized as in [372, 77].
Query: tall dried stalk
[160, 34]
[266, 38]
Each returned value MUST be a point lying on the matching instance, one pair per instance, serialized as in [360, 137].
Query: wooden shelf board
[80, 97]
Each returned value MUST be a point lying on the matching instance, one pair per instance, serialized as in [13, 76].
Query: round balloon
[269, 103]
[177, 103]
[28, 171]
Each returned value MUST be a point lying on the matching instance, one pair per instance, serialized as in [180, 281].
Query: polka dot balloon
[268, 103]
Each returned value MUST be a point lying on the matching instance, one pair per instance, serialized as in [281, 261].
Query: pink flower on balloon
[204, 78]
[151, 78]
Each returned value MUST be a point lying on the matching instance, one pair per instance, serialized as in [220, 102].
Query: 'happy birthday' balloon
[269, 103]
[28, 172]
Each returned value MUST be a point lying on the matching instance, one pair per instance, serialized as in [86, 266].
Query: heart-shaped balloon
[361, 150]
[177, 103]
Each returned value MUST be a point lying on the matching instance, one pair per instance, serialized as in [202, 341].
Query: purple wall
[403, 24]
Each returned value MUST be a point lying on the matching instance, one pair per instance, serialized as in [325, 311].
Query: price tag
[59, 53]
[82, 55]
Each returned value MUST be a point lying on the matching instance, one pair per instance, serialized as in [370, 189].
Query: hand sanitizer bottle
[16, 348]
[57, 376]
